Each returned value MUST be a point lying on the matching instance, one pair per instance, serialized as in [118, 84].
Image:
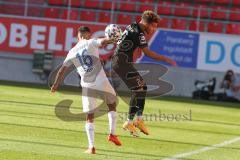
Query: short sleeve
[68, 61]
[96, 42]
[142, 41]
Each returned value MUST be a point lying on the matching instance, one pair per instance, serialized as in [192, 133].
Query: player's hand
[173, 63]
[54, 88]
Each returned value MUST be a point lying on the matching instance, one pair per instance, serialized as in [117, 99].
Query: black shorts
[126, 71]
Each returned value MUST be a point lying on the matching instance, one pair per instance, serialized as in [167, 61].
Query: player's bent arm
[105, 41]
[158, 57]
[59, 78]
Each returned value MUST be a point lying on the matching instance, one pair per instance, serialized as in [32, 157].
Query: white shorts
[103, 91]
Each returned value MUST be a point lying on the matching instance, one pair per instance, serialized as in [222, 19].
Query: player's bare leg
[112, 117]
[90, 133]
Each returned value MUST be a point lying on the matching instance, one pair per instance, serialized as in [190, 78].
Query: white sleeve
[96, 42]
[68, 60]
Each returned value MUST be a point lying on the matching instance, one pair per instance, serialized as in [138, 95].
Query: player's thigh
[89, 100]
[109, 96]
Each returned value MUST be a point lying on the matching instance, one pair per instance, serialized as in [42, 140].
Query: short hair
[83, 29]
[150, 17]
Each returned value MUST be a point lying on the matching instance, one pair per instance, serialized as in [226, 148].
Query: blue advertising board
[180, 46]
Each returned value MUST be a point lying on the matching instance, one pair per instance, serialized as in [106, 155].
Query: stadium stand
[215, 27]
[164, 8]
[180, 24]
[163, 23]
[235, 14]
[73, 14]
[182, 9]
[58, 2]
[201, 11]
[52, 12]
[218, 12]
[197, 26]
[123, 19]
[104, 17]
[91, 4]
[176, 14]
[88, 16]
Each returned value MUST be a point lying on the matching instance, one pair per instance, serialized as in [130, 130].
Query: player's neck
[142, 26]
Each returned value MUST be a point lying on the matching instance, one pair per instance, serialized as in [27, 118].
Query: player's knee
[90, 118]
[112, 107]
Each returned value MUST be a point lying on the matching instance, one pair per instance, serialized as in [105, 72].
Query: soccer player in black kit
[134, 37]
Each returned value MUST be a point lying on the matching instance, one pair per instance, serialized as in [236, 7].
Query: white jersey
[85, 57]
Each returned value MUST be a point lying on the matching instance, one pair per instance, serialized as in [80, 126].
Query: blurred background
[202, 36]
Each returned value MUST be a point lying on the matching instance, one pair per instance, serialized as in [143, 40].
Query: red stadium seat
[36, 1]
[137, 18]
[35, 11]
[73, 14]
[75, 3]
[16, 1]
[104, 17]
[14, 9]
[204, 1]
[202, 9]
[235, 14]
[236, 2]
[182, 9]
[215, 27]
[146, 1]
[233, 29]
[195, 26]
[88, 16]
[163, 23]
[164, 8]
[222, 1]
[108, 5]
[179, 24]
[52, 12]
[124, 6]
[58, 2]
[91, 4]
[124, 19]
[146, 6]
[218, 13]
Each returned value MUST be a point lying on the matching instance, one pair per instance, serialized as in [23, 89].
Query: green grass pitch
[30, 130]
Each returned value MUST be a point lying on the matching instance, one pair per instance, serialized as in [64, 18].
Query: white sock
[130, 121]
[140, 117]
[90, 134]
[112, 117]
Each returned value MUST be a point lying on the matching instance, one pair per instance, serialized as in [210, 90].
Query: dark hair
[83, 29]
[228, 76]
[150, 17]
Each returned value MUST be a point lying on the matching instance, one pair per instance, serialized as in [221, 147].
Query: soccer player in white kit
[85, 57]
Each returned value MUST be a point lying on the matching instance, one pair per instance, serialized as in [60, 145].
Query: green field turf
[30, 130]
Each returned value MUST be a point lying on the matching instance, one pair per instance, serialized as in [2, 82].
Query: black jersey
[132, 38]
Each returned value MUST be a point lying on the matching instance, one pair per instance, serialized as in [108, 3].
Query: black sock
[132, 109]
[140, 105]
[141, 101]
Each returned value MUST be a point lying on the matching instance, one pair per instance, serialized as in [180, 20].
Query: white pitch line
[215, 146]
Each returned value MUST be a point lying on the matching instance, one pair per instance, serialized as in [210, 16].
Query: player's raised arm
[61, 72]
[158, 57]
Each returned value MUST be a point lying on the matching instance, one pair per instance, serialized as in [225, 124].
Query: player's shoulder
[92, 40]
[74, 48]
[134, 28]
